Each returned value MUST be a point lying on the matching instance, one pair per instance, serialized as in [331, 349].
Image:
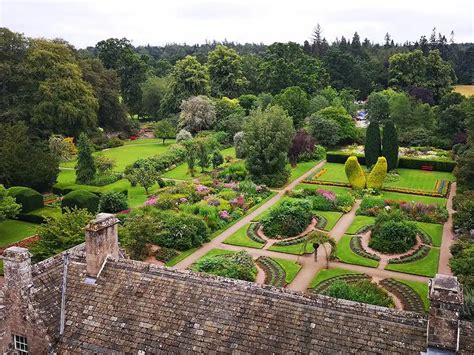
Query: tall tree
[378, 107]
[295, 101]
[390, 145]
[85, 167]
[267, 138]
[189, 78]
[225, 72]
[154, 90]
[373, 144]
[197, 113]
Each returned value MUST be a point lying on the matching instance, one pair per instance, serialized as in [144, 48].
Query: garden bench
[427, 167]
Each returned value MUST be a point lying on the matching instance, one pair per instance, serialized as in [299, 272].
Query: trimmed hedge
[29, 199]
[377, 175]
[403, 162]
[81, 199]
[99, 191]
[354, 173]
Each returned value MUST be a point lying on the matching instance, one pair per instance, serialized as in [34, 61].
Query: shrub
[362, 291]
[239, 145]
[393, 234]
[344, 202]
[165, 254]
[354, 173]
[81, 199]
[320, 203]
[318, 153]
[85, 167]
[183, 135]
[236, 266]
[377, 175]
[371, 206]
[29, 199]
[234, 172]
[287, 219]
[8, 206]
[104, 164]
[373, 145]
[113, 202]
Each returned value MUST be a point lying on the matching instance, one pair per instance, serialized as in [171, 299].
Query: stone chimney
[17, 268]
[101, 242]
[446, 296]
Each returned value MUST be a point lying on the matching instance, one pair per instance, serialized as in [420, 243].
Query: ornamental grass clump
[354, 173]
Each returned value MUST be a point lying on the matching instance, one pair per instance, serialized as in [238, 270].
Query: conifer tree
[85, 168]
[390, 145]
[373, 146]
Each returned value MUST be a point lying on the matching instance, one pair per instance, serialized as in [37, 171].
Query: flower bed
[356, 247]
[442, 187]
[327, 182]
[295, 241]
[274, 274]
[417, 254]
[252, 233]
[410, 300]
[318, 174]
[324, 285]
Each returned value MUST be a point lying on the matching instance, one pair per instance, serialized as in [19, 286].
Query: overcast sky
[156, 22]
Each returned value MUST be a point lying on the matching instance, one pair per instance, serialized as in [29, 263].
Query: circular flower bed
[392, 233]
[287, 220]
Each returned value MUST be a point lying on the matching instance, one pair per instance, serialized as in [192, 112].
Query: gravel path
[448, 236]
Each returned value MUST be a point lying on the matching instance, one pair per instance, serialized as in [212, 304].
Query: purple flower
[151, 201]
[328, 195]
[182, 200]
[232, 185]
[213, 203]
[202, 188]
[224, 215]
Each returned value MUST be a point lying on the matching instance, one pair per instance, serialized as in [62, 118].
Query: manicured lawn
[183, 255]
[331, 216]
[359, 222]
[292, 268]
[419, 179]
[215, 252]
[389, 195]
[312, 187]
[301, 168]
[346, 255]
[427, 266]
[421, 288]
[12, 231]
[334, 172]
[325, 274]
[435, 231]
[130, 152]
[51, 212]
[296, 249]
[240, 238]
[181, 171]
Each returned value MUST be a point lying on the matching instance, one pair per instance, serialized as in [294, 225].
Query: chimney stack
[17, 268]
[446, 296]
[101, 242]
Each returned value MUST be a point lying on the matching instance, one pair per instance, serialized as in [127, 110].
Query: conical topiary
[377, 175]
[354, 173]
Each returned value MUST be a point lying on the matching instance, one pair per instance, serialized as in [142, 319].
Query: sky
[156, 22]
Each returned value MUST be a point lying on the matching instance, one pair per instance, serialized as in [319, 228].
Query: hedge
[29, 199]
[62, 191]
[377, 175]
[403, 162]
[81, 199]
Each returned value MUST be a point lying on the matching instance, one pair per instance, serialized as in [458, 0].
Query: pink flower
[328, 195]
[224, 215]
[238, 201]
[202, 188]
[151, 201]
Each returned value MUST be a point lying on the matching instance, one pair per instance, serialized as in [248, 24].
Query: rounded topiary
[377, 175]
[354, 173]
[81, 199]
[113, 202]
[29, 199]
[288, 219]
[393, 234]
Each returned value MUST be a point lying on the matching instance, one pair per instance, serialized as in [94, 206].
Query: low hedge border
[364, 229]
[425, 238]
[403, 162]
[327, 182]
[415, 192]
[32, 218]
[356, 247]
[274, 274]
[417, 254]
[324, 285]
[411, 301]
[295, 241]
[322, 221]
[252, 234]
[62, 191]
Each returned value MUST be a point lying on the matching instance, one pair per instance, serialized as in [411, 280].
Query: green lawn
[359, 222]
[419, 179]
[12, 231]
[325, 274]
[52, 212]
[435, 231]
[292, 268]
[421, 288]
[331, 216]
[301, 168]
[240, 238]
[427, 266]
[312, 187]
[296, 249]
[334, 172]
[389, 195]
[215, 252]
[346, 255]
[280, 201]
[130, 152]
[181, 171]
[183, 255]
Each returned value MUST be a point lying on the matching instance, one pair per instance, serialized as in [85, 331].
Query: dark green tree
[85, 167]
[268, 137]
[225, 71]
[164, 130]
[295, 101]
[390, 145]
[217, 159]
[378, 107]
[373, 145]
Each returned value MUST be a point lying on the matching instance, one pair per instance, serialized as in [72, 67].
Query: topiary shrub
[354, 173]
[288, 219]
[390, 145]
[373, 144]
[81, 199]
[29, 199]
[392, 233]
[113, 202]
[377, 175]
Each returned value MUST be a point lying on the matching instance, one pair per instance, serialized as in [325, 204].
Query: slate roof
[136, 307]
